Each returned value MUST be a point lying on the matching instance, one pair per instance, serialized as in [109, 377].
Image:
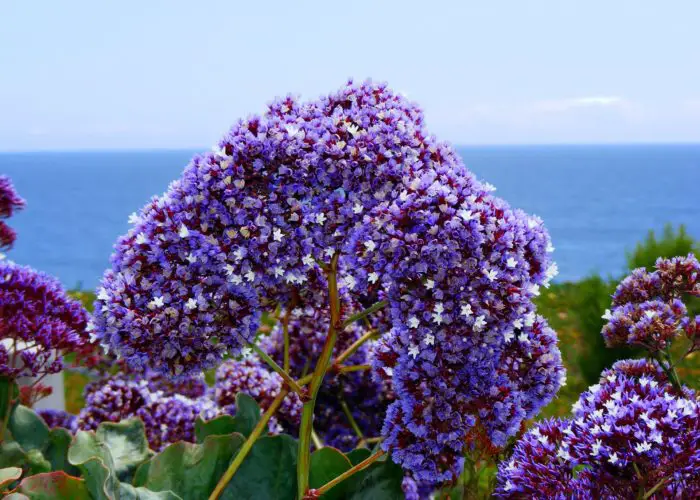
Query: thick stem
[283, 373]
[363, 314]
[353, 368]
[669, 371]
[359, 467]
[307, 414]
[8, 403]
[243, 452]
[285, 333]
[354, 347]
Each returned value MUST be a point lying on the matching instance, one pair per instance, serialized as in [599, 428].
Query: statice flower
[10, 202]
[58, 418]
[356, 176]
[250, 376]
[113, 400]
[38, 322]
[631, 432]
[648, 310]
[171, 419]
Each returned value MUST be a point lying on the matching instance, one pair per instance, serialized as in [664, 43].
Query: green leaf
[28, 429]
[358, 455]
[268, 472]
[189, 470]
[8, 395]
[36, 463]
[128, 492]
[127, 445]
[12, 454]
[247, 416]
[8, 476]
[327, 464]
[52, 486]
[57, 451]
[93, 459]
[380, 481]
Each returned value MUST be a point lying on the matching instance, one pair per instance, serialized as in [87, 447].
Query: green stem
[7, 405]
[363, 314]
[658, 485]
[359, 467]
[317, 440]
[351, 419]
[669, 371]
[282, 372]
[243, 452]
[354, 347]
[285, 332]
[307, 414]
[353, 368]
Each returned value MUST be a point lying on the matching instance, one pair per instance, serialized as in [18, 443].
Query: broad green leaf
[57, 451]
[327, 464]
[8, 476]
[127, 445]
[53, 486]
[93, 459]
[128, 492]
[267, 473]
[247, 416]
[36, 463]
[189, 470]
[12, 454]
[380, 481]
[28, 429]
[358, 455]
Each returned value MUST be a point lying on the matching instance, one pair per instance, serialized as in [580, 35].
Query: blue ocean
[597, 201]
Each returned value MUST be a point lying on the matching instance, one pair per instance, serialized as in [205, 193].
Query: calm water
[597, 201]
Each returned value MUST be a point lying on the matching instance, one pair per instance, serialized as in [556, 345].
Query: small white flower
[191, 304]
[279, 271]
[103, 295]
[141, 239]
[250, 275]
[518, 324]
[134, 218]
[292, 129]
[388, 370]
[549, 248]
[429, 284]
[308, 260]
[511, 262]
[508, 336]
[596, 447]
[467, 215]
[156, 302]
[413, 351]
[466, 310]
[508, 486]
[277, 234]
[372, 277]
[357, 208]
[479, 323]
[523, 338]
[329, 252]
[320, 218]
[650, 314]
[370, 245]
[564, 454]
[184, 232]
[191, 258]
[642, 447]
[429, 339]
[491, 274]
[350, 282]
[353, 129]
[613, 458]
[413, 322]
[607, 315]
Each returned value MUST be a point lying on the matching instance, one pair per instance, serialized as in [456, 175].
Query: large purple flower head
[353, 175]
[171, 419]
[629, 433]
[10, 202]
[38, 322]
[112, 400]
[648, 309]
[58, 418]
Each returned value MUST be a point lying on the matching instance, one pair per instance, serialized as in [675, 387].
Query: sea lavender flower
[171, 419]
[58, 418]
[629, 433]
[355, 176]
[38, 322]
[648, 309]
[10, 202]
[112, 400]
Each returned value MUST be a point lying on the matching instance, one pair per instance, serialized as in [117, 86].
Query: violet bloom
[38, 322]
[58, 418]
[113, 400]
[353, 174]
[10, 202]
[631, 432]
[647, 307]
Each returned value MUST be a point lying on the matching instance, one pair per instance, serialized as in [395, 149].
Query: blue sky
[81, 74]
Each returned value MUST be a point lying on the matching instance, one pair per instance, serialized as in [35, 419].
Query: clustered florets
[648, 309]
[58, 418]
[38, 322]
[354, 174]
[10, 202]
[629, 433]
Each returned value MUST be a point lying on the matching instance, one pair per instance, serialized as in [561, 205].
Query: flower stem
[669, 371]
[363, 314]
[354, 347]
[353, 368]
[243, 452]
[283, 373]
[8, 385]
[354, 470]
[307, 414]
[351, 419]
[285, 333]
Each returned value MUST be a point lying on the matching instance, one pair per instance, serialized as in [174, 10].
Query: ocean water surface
[596, 201]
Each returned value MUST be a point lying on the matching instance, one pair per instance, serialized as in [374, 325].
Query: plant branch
[283, 373]
[354, 470]
[307, 414]
[353, 368]
[285, 333]
[245, 449]
[354, 347]
[363, 314]
[351, 419]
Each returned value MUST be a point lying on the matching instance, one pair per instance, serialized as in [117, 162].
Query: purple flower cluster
[647, 307]
[38, 322]
[10, 202]
[631, 432]
[59, 418]
[112, 400]
[355, 175]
